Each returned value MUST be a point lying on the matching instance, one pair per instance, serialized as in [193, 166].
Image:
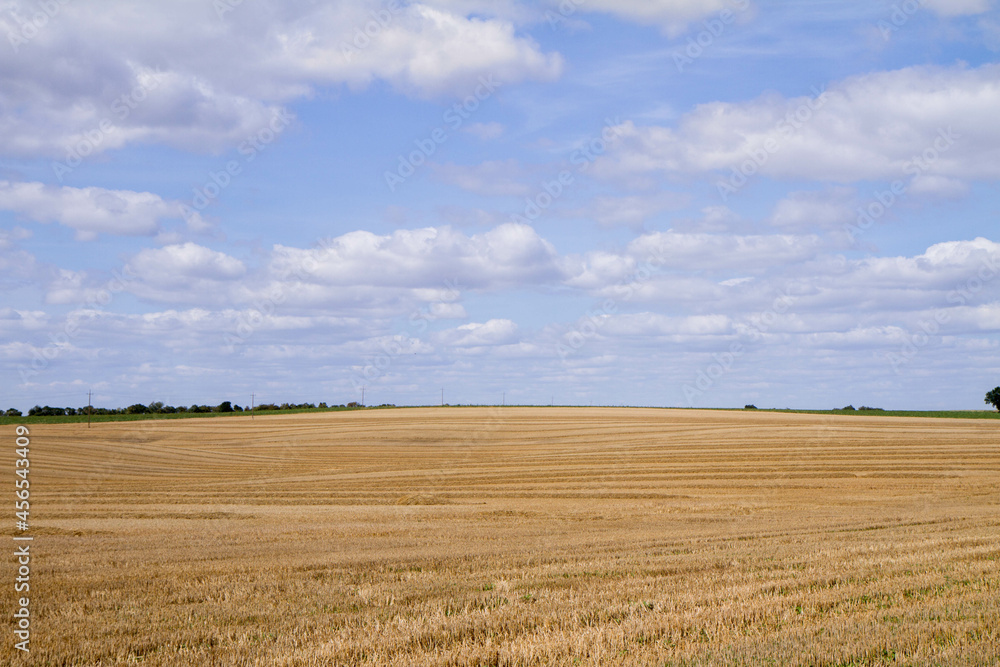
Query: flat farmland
[514, 536]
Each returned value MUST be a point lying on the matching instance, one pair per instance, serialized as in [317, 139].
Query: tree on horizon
[993, 398]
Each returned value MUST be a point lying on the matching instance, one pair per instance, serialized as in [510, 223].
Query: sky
[676, 203]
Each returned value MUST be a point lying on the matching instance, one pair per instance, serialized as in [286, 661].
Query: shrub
[750, 407]
[13, 412]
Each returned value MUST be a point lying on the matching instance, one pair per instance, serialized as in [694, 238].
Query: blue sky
[659, 202]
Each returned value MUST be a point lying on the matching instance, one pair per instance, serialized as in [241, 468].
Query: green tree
[993, 398]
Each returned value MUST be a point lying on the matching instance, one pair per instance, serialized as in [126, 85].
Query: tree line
[158, 408]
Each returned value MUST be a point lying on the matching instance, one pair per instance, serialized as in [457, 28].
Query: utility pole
[362, 397]
[504, 401]
[442, 397]
[252, 397]
[89, 408]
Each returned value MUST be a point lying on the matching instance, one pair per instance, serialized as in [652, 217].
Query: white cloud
[11, 319]
[869, 127]
[703, 252]
[178, 262]
[177, 73]
[17, 267]
[89, 211]
[654, 324]
[843, 315]
[9, 237]
[477, 335]
[185, 273]
[510, 254]
[812, 210]
[404, 273]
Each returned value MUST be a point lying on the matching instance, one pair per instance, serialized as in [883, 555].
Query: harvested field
[515, 536]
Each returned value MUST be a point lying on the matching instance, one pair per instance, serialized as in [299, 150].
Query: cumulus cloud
[480, 334]
[343, 303]
[185, 273]
[812, 210]
[89, 211]
[10, 237]
[178, 262]
[190, 76]
[919, 121]
[648, 324]
[510, 254]
[407, 272]
[724, 251]
[11, 319]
